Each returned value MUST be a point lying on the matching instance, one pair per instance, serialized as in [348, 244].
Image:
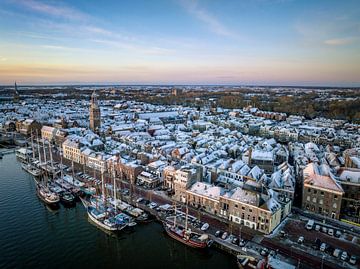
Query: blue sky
[279, 42]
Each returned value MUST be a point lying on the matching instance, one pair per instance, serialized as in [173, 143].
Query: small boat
[100, 218]
[246, 262]
[31, 169]
[137, 213]
[88, 190]
[47, 196]
[122, 218]
[67, 198]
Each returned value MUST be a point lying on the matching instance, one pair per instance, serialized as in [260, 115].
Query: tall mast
[113, 173]
[44, 153]
[51, 160]
[73, 173]
[103, 185]
[61, 168]
[51, 157]
[32, 145]
[38, 146]
[175, 215]
[186, 217]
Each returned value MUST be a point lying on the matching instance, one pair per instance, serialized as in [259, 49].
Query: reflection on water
[33, 235]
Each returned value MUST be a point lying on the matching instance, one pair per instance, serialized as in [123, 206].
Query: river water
[34, 236]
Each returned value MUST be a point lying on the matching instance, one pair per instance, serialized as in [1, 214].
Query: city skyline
[180, 42]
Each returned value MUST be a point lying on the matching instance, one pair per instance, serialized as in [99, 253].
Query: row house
[349, 179]
[28, 127]
[48, 133]
[72, 150]
[321, 193]
[244, 206]
[185, 177]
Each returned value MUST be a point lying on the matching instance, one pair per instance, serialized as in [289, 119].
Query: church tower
[16, 94]
[94, 114]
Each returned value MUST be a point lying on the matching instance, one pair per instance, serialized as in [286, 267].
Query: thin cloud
[134, 47]
[60, 11]
[338, 41]
[204, 16]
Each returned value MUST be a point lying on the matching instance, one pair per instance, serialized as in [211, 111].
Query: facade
[321, 193]
[48, 133]
[245, 206]
[95, 116]
[185, 177]
[252, 209]
[72, 151]
[349, 178]
[27, 127]
[149, 180]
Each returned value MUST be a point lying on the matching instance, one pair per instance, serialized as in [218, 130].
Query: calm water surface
[34, 236]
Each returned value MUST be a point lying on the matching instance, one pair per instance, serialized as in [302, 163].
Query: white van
[310, 224]
[336, 253]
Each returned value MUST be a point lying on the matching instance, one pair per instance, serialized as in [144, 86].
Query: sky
[257, 42]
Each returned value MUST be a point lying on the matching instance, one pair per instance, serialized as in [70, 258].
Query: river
[34, 236]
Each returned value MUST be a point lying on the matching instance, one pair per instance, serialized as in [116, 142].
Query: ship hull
[181, 239]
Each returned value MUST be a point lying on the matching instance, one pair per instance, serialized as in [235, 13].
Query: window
[335, 197]
[315, 191]
[309, 190]
[322, 193]
[236, 206]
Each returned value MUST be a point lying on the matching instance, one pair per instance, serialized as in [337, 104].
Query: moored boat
[187, 237]
[47, 196]
[31, 169]
[246, 262]
[101, 219]
[67, 198]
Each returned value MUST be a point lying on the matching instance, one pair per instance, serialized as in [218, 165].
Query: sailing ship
[102, 216]
[28, 167]
[185, 235]
[47, 196]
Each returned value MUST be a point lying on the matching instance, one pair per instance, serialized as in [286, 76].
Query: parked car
[242, 242]
[224, 236]
[205, 227]
[336, 253]
[218, 233]
[323, 247]
[264, 251]
[301, 240]
[282, 233]
[317, 227]
[235, 240]
[152, 205]
[353, 259]
[331, 232]
[324, 229]
[309, 225]
[139, 200]
[344, 256]
[337, 233]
